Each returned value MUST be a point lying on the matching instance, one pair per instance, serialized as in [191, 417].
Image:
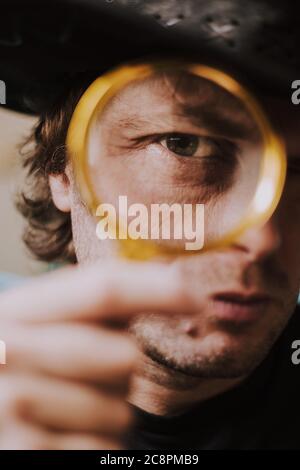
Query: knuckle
[12, 335]
[19, 436]
[129, 349]
[14, 400]
[182, 293]
[108, 414]
[110, 445]
[109, 293]
[16, 404]
[32, 442]
[87, 443]
[125, 417]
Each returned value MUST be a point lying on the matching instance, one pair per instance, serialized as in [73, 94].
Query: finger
[97, 292]
[72, 351]
[85, 442]
[62, 405]
[19, 435]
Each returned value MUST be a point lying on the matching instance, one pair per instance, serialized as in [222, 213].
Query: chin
[222, 350]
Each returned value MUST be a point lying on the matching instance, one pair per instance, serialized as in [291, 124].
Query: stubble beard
[229, 351]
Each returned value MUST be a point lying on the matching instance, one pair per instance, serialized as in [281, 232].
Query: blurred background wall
[14, 258]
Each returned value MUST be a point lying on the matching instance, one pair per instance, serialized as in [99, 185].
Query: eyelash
[225, 151]
[217, 142]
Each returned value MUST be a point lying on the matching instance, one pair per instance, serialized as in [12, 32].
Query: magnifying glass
[182, 151]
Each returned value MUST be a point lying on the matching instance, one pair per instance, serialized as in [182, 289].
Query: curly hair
[48, 231]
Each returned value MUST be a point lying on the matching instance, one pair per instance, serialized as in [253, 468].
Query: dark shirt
[261, 413]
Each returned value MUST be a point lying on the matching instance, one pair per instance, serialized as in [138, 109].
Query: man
[206, 361]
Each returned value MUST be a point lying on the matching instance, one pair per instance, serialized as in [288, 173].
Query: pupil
[184, 145]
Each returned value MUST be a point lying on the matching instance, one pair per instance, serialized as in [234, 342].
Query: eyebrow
[219, 114]
[207, 117]
[239, 126]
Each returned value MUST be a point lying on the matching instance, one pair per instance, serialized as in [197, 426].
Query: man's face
[248, 291]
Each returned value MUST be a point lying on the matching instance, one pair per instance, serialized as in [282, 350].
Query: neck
[163, 391]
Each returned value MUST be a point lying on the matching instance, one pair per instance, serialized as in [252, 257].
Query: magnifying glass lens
[174, 158]
[177, 156]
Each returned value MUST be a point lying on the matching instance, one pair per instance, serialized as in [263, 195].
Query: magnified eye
[189, 145]
[211, 151]
[185, 145]
[213, 161]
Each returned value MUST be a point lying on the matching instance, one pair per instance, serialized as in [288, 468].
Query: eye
[201, 147]
[185, 145]
[207, 151]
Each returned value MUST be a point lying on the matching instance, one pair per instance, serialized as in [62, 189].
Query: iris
[185, 145]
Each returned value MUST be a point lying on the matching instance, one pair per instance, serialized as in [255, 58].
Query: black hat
[45, 44]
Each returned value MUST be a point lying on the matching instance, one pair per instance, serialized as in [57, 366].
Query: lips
[240, 307]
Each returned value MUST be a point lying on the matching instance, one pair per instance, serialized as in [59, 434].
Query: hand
[68, 368]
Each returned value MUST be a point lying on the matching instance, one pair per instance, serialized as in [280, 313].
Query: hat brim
[43, 45]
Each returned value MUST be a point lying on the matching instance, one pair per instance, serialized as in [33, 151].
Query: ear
[61, 192]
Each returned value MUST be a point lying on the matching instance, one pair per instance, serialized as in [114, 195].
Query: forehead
[178, 94]
[175, 87]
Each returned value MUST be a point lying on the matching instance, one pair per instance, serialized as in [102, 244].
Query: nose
[261, 242]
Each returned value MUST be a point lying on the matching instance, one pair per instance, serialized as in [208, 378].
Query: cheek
[142, 178]
[88, 247]
[132, 179]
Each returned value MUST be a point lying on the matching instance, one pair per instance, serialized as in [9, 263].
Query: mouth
[240, 307]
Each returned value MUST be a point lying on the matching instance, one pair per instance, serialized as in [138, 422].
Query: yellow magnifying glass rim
[272, 170]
